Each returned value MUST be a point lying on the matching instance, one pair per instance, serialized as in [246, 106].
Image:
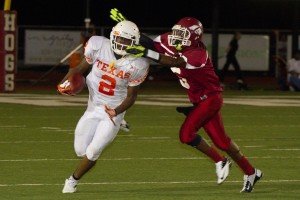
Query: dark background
[233, 14]
[217, 16]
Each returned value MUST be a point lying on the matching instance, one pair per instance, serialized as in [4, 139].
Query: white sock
[72, 178]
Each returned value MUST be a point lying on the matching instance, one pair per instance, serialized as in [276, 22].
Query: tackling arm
[167, 61]
[146, 42]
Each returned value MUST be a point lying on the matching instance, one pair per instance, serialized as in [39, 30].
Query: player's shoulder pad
[95, 42]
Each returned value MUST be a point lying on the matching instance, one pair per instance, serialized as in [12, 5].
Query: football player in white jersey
[113, 85]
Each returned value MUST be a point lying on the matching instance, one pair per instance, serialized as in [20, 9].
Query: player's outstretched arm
[166, 61]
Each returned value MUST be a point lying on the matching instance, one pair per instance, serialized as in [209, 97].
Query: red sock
[245, 165]
[214, 155]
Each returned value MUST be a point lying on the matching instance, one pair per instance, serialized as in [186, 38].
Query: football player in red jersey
[184, 52]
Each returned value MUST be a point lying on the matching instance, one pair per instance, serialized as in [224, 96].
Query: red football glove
[65, 88]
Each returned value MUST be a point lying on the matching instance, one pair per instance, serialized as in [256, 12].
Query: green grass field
[149, 162]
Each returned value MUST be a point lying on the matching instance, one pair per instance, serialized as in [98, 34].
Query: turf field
[149, 162]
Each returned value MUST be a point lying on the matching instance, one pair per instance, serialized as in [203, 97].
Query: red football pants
[207, 115]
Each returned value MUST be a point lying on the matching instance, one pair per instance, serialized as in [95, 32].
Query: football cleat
[250, 180]
[222, 170]
[70, 186]
[124, 126]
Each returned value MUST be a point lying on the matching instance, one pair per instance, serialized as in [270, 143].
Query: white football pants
[94, 131]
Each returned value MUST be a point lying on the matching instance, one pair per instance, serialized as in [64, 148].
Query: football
[77, 82]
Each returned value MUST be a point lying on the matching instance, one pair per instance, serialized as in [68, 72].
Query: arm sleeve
[92, 45]
[147, 42]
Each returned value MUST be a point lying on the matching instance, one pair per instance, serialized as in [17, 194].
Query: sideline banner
[252, 55]
[48, 47]
[8, 50]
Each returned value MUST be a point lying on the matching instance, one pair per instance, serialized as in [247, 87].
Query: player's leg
[91, 137]
[194, 121]
[251, 174]
[214, 124]
[84, 134]
[84, 166]
[215, 129]
[216, 132]
[124, 126]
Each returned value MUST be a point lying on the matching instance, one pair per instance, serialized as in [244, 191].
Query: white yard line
[145, 183]
[158, 100]
[129, 159]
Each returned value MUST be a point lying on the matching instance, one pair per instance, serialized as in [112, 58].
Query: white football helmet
[123, 35]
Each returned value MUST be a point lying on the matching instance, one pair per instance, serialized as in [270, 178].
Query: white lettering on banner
[10, 22]
[9, 48]
[9, 82]
[9, 62]
[9, 42]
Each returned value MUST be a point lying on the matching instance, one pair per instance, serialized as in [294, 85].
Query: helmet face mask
[180, 35]
[123, 35]
[187, 32]
[119, 44]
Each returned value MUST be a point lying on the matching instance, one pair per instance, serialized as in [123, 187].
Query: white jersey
[109, 78]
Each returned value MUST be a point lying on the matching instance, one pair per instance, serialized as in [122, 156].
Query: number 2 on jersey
[108, 85]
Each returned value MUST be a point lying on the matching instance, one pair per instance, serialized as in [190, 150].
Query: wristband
[153, 55]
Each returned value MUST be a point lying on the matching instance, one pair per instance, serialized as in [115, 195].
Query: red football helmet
[187, 32]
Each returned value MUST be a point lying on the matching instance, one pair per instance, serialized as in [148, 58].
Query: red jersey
[198, 77]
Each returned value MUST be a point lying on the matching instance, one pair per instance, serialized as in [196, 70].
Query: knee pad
[195, 141]
[92, 153]
[80, 152]
[188, 134]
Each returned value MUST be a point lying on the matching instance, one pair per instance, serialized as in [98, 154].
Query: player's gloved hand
[65, 88]
[116, 15]
[137, 51]
[140, 51]
[111, 112]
